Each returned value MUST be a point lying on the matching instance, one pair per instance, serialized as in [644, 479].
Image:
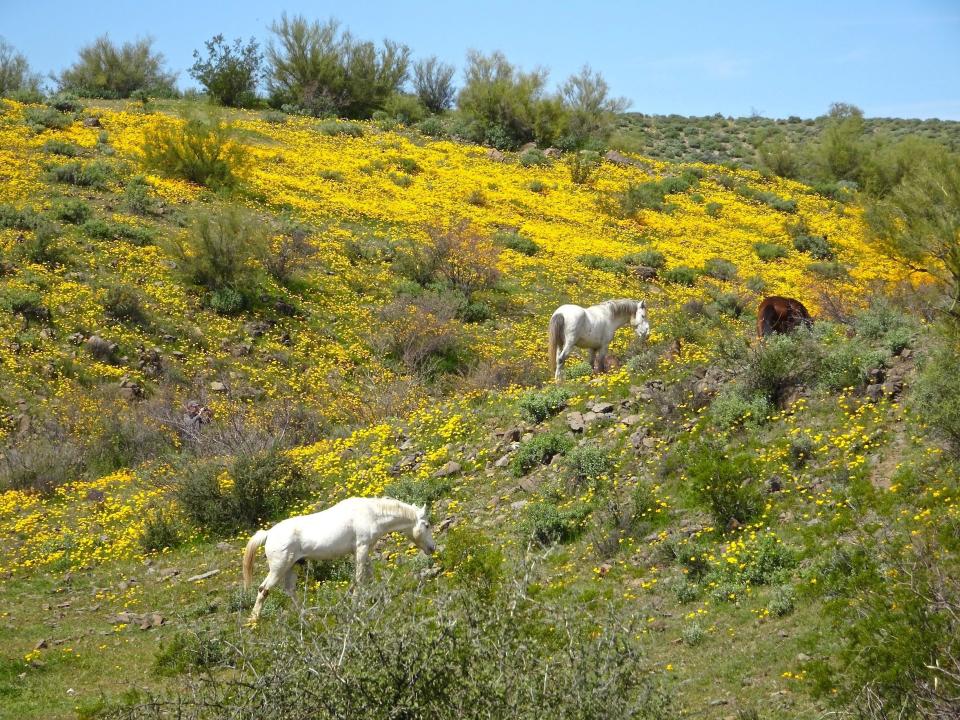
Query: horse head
[421, 534]
[639, 320]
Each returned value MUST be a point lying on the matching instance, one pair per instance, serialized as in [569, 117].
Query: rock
[527, 147]
[637, 438]
[241, 350]
[553, 153]
[618, 158]
[224, 546]
[602, 407]
[503, 461]
[42, 645]
[496, 155]
[168, 573]
[526, 437]
[774, 485]
[893, 387]
[203, 576]
[218, 387]
[450, 468]
[644, 272]
[589, 417]
[100, 348]
[575, 422]
[874, 393]
[875, 376]
[529, 484]
[94, 495]
[631, 420]
[129, 390]
[513, 434]
[256, 328]
[284, 308]
[648, 442]
[519, 504]
[906, 354]
[91, 122]
[75, 338]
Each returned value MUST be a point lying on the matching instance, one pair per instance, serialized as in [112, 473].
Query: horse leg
[290, 587]
[602, 360]
[593, 361]
[361, 568]
[271, 581]
[562, 357]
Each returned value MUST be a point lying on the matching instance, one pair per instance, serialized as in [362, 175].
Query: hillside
[711, 494]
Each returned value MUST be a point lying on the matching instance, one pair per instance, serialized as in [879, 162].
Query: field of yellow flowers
[382, 187]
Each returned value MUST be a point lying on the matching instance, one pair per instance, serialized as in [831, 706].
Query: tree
[105, 70]
[433, 84]
[840, 148]
[15, 73]
[590, 109]
[229, 74]
[919, 222]
[325, 71]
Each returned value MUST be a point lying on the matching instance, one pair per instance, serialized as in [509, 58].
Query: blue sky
[687, 57]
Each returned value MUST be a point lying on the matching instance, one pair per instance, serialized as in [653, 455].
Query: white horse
[351, 526]
[593, 328]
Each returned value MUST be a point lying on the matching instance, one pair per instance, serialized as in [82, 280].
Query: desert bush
[423, 491]
[461, 257]
[590, 111]
[229, 74]
[681, 275]
[255, 489]
[188, 651]
[103, 230]
[325, 71]
[639, 196]
[124, 303]
[71, 210]
[936, 392]
[828, 270]
[720, 269]
[516, 242]
[476, 562]
[40, 464]
[46, 118]
[546, 523]
[779, 363]
[588, 462]
[420, 332]
[815, 245]
[219, 250]
[340, 127]
[768, 198]
[55, 146]
[108, 71]
[16, 77]
[94, 174]
[846, 364]
[800, 451]
[728, 483]
[533, 157]
[433, 84]
[25, 218]
[782, 601]
[732, 408]
[648, 257]
[540, 449]
[693, 634]
[538, 405]
[161, 530]
[203, 150]
[288, 252]
[756, 284]
[582, 165]
[598, 262]
[713, 209]
[43, 246]
[769, 251]
[441, 656]
[137, 196]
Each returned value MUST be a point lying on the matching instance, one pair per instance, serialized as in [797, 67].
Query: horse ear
[643, 304]
[422, 510]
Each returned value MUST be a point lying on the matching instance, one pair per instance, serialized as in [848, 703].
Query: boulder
[496, 155]
[218, 387]
[553, 153]
[874, 393]
[575, 422]
[450, 468]
[644, 272]
[601, 408]
[526, 147]
[631, 420]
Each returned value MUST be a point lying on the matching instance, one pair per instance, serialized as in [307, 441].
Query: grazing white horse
[592, 328]
[351, 526]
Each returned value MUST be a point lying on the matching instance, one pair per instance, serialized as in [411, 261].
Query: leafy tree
[108, 71]
[229, 74]
[919, 222]
[15, 73]
[590, 109]
[325, 71]
[433, 84]
[840, 150]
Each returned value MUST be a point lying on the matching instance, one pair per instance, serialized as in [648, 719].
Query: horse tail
[555, 339]
[258, 539]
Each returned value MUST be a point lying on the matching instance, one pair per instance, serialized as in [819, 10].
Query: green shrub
[340, 127]
[258, 488]
[756, 284]
[579, 369]
[885, 322]
[768, 198]
[693, 634]
[539, 450]
[46, 118]
[137, 196]
[589, 462]
[782, 601]
[124, 303]
[229, 74]
[731, 408]
[582, 165]
[226, 301]
[108, 71]
[538, 405]
[35, 464]
[936, 392]
[648, 195]
[42, 246]
[203, 150]
[547, 524]
[94, 174]
[161, 530]
[598, 262]
[70, 210]
[781, 362]
[647, 257]
[424, 491]
[56, 146]
[537, 186]
[533, 157]
[728, 483]
[187, 651]
[767, 560]
[477, 197]
[720, 269]
[814, 245]
[476, 562]
[18, 218]
[474, 312]
[829, 270]
[846, 364]
[516, 242]
[681, 275]
[713, 209]
[103, 230]
[769, 251]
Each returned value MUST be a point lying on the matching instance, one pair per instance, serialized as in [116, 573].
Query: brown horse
[781, 315]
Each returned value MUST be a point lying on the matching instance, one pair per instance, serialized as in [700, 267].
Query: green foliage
[203, 150]
[732, 408]
[782, 601]
[25, 218]
[649, 195]
[839, 154]
[768, 198]
[779, 363]
[727, 482]
[433, 84]
[340, 127]
[647, 257]
[589, 461]
[886, 323]
[476, 562]
[713, 209]
[187, 651]
[424, 491]
[582, 165]
[38, 465]
[108, 71]
[257, 488]
[46, 118]
[43, 246]
[137, 196]
[71, 210]
[124, 303]
[936, 392]
[828, 270]
[103, 230]
[547, 524]
[846, 364]
[161, 530]
[589, 110]
[720, 269]
[404, 108]
[539, 450]
[55, 146]
[538, 405]
[325, 71]
[681, 275]
[218, 252]
[815, 245]
[229, 74]
[598, 262]
[96, 174]
[533, 157]
[757, 284]
[16, 77]
[516, 242]
[769, 251]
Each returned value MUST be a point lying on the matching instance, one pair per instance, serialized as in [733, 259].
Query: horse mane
[391, 507]
[622, 306]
